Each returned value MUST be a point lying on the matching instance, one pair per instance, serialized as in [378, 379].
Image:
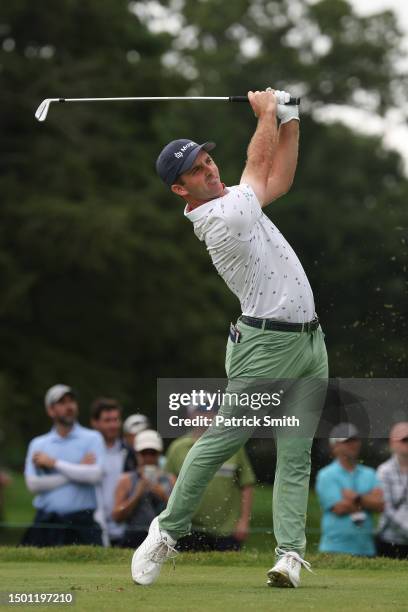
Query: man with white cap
[349, 493]
[392, 537]
[62, 467]
[134, 424]
[142, 494]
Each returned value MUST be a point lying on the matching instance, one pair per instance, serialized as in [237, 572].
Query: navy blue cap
[177, 157]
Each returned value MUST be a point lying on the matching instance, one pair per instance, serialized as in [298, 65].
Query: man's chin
[216, 189]
[67, 421]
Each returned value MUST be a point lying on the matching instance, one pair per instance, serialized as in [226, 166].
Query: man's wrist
[267, 115]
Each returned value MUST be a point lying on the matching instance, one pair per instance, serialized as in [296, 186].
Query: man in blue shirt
[62, 467]
[349, 493]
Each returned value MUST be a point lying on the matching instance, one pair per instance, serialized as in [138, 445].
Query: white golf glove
[286, 112]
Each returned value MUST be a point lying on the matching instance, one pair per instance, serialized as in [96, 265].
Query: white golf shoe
[286, 571]
[151, 554]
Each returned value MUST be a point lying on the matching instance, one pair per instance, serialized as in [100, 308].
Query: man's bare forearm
[263, 145]
[283, 167]
[373, 500]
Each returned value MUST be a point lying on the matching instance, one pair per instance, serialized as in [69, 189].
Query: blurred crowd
[103, 485]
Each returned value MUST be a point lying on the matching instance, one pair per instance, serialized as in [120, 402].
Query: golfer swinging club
[278, 335]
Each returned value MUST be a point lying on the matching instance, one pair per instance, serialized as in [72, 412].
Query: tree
[104, 285]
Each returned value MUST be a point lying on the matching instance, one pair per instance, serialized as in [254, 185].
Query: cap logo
[184, 148]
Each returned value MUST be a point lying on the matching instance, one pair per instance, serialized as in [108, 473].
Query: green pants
[261, 354]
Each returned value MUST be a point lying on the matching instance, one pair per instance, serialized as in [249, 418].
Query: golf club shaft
[292, 101]
[42, 110]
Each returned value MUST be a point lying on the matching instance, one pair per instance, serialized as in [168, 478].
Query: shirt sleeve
[29, 467]
[47, 482]
[374, 482]
[97, 447]
[241, 214]
[246, 475]
[328, 490]
[89, 474]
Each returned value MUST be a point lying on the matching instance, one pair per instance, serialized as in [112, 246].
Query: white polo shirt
[253, 257]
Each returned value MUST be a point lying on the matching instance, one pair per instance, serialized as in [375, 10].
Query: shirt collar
[356, 467]
[200, 211]
[72, 434]
[116, 446]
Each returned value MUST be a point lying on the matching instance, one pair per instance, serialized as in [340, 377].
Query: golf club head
[42, 111]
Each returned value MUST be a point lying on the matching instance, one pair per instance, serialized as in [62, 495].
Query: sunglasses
[149, 451]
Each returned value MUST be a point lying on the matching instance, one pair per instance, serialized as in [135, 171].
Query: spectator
[142, 494]
[62, 468]
[392, 538]
[106, 417]
[134, 424]
[349, 493]
[223, 517]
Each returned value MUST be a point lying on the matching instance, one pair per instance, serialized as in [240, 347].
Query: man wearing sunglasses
[392, 537]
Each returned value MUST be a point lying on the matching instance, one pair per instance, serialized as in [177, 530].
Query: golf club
[42, 110]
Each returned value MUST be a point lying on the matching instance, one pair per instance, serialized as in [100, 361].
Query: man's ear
[179, 190]
[50, 411]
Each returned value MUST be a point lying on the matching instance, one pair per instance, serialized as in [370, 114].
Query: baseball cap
[343, 432]
[55, 393]
[148, 439]
[135, 423]
[399, 431]
[178, 156]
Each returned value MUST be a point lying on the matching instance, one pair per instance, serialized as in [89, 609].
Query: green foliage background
[103, 283]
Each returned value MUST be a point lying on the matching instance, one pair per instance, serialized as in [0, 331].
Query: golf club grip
[292, 101]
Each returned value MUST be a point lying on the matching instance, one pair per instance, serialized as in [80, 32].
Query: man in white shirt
[278, 335]
[106, 417]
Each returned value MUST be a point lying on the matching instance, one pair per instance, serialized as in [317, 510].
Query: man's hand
[285, 112]
[263, 102]
[88, 459]
[42, 460]
[349, 494]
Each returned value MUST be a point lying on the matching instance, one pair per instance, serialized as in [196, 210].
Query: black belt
[280, 325]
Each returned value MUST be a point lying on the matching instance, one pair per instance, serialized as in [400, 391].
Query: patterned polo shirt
[252, 256]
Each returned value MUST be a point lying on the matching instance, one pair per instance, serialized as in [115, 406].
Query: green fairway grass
[100, 580]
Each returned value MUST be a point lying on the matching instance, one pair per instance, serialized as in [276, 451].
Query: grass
[100, 580]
